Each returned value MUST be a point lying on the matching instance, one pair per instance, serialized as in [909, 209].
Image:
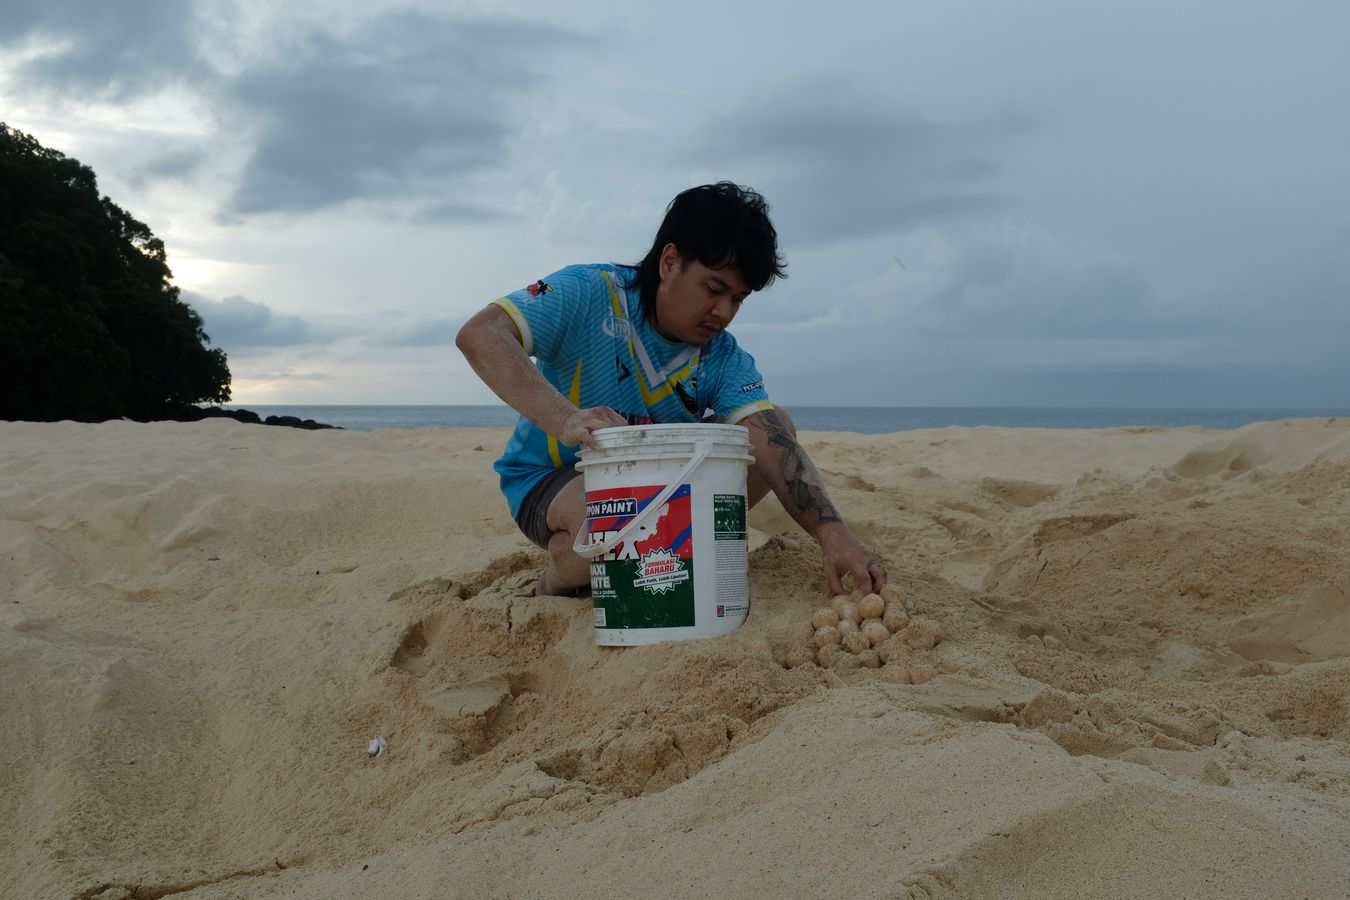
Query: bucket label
[619, 506]
[660, 571]
[646, 581]
[729, 517]
[729, 537]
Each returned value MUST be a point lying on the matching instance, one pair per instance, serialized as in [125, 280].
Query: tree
[91, 327]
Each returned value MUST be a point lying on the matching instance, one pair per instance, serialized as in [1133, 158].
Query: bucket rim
[626, 435]
[655, 442]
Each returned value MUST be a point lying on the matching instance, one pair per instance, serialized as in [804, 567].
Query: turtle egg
[827, 635]
[895, 618]
[824, 617]
[846, 661]
[884, 650]
[872, 606]
[846, 626]
[875, 632]
[851, 612]
[856, 642]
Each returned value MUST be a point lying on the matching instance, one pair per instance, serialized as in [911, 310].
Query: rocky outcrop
[197, 413]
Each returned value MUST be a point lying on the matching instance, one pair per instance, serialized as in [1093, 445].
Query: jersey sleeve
[738, 389]
[546, 311]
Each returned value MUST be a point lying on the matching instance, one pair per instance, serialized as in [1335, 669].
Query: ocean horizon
[860, 419]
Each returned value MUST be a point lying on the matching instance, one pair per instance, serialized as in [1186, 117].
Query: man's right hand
[577, 427]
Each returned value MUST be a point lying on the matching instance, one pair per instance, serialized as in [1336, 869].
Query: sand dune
[1143, 686]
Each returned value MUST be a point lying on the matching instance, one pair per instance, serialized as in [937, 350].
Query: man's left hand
[844, 554]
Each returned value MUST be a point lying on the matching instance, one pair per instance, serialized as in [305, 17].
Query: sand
[1143, 686]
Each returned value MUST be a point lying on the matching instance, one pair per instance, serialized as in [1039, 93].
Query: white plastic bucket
[666, 531]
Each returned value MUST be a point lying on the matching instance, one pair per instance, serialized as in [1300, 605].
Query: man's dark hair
[719, 225]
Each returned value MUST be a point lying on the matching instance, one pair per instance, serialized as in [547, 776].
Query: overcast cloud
[844, 163]
[408, 107]
[1039, 204]
[243, 326]
[106, 50]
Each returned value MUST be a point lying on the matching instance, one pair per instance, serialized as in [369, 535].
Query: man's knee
[568, 568]
[560, 549]
[567, 510]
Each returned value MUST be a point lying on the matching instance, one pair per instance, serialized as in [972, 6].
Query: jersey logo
[539, 288]
[686, 399]
[752, 386]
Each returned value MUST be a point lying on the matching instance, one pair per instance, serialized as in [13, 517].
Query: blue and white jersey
[590, 340]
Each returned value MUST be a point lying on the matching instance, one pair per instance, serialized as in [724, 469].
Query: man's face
[693, 302]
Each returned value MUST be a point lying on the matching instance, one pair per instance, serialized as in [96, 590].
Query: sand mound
[1142, 687]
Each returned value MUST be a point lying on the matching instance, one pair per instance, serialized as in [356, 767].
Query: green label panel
[634, 594]
[729, 517]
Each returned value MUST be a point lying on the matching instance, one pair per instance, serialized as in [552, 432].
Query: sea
[861, 419]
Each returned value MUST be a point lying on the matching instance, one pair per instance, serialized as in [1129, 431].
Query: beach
[1141, 686]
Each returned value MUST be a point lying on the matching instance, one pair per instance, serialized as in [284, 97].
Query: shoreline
[862, 420]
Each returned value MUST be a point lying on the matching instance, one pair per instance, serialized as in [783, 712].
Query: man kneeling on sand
[630, 345]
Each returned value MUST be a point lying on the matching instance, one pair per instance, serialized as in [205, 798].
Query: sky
[981, 203]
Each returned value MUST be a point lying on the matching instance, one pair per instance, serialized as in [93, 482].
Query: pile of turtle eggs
[865, 630]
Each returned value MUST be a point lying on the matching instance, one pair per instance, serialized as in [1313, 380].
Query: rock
[197, 413]
[294, 422]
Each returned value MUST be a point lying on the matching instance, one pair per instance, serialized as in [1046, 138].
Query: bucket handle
[590, 550]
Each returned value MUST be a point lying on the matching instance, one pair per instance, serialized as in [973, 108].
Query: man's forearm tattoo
[804, 484]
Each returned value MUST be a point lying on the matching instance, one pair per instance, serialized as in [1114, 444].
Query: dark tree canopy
[90, 326]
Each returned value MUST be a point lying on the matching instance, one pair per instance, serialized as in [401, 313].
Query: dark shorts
[533, 516]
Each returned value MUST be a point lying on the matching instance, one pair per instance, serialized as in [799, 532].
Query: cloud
[1004, 280]
[174, 164]
[424, 332]
[451, 213]
[408, 109]
[837, 163]
[1008, 313]
[242, 326]
[405, 109]
[290, 376]
[1015, 281]
[1019, 282]
[110, 50]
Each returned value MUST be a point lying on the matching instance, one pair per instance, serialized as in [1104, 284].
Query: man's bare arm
[491, 342]
[790, 473]
[783, 464]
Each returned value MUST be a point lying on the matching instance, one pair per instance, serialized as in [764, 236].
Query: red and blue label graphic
[647, 580]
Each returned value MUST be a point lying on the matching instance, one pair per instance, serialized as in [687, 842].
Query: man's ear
[670, 258]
